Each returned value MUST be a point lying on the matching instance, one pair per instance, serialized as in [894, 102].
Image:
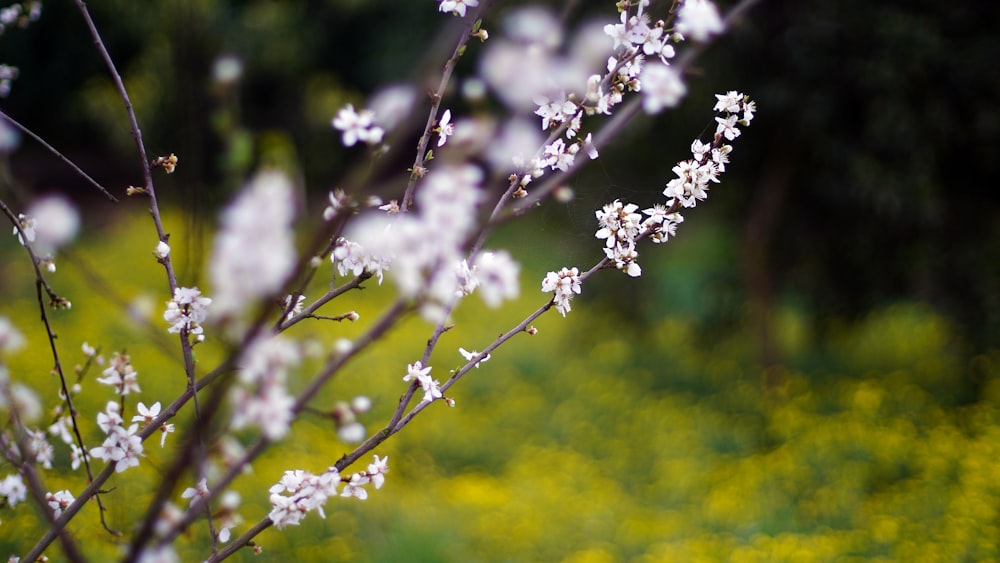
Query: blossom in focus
[457, 7]
[445, 128]
[122, 446]
[187, 310]
[564, 284]
[298, 492]
[417, 372]
[470, 355]
[162, 250]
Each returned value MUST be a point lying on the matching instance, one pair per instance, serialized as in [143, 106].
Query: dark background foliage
[868, 177]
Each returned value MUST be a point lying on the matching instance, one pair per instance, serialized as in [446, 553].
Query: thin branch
[436, 97]
[58, 155]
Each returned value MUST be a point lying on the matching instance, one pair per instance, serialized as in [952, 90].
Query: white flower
[56, 222]
[162, 250]
[564, 284]
[294, 309]
[662, 88]
[497, 277]
[727, 127]
[147, 414]
[699, 19]
[187, 310]
[619, 224]
[121, 446]
[457, 7]
[27, 225]
[660, 224]
[554, 111]
[109, 418]
[469, 355]
[357, 126]
[254, 252]
[305, 492]
[196, 492]
[12, 487]
[121, 375]
[58, 501]
[730, 102]
[351, 433]
[338, 202]
[261, 399]
[416, 371]
[445, 128]
[42, 449]
[377, 471]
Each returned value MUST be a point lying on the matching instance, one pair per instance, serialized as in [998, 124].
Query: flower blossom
[186, 311]
[417, 372]
[13, 489]
[357, 126]
[121, 446]
[147, 414]
[58, 501]
[699, 19]
[298, 492]
[662, 88]
[457, 7]
[254, 251]
[445, 128]
[121, 375]
[473, 354]
[564, 284]
[262, 399]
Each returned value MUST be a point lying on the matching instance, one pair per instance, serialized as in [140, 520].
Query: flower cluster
[621, 227]
[544, 77]
[300, 492]
[19, 14]
[357, 126]
[564, 284]
[186, 311]
[254, 251]
[699, 19]
[262, 399]
[425, 248]
[121, 445]
[121, 375]
[422, 375]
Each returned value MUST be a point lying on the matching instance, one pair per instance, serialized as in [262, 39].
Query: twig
[58, 155]
[436, 97]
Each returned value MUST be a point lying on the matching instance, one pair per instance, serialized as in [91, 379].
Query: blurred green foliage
[594, 441]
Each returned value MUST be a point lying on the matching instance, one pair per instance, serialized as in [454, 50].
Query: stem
[58, 155]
